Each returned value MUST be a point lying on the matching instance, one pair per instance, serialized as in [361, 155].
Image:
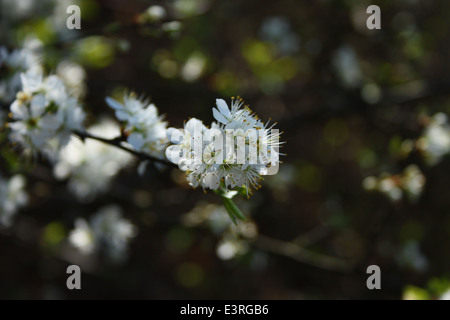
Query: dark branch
[117, 142]
[300, 254]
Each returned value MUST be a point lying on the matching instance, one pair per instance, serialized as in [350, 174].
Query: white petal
[31, 82]
[37, 105]
[50, 122]
[194, 126]
[114, 104]
[142, 167]
[211, 181]
[122, 115]
[219, 117]
[18, 127]
[223, 107]
[19, 111]
[175, 135]
[136, 140]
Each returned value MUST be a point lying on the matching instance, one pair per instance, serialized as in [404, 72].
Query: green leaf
[230, 212]
[232, 208]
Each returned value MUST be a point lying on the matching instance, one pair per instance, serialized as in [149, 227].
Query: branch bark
[117, 142]
[298, 253]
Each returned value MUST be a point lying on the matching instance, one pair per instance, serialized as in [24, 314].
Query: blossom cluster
[91, 166]
[145, 130]
[12, 197]
[12, 64]
[44, 114]
[234, 152]
[409, 183]
[226, 154]
[106, 231]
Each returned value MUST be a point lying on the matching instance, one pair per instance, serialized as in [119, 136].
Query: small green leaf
[230, 213]
[231, 206]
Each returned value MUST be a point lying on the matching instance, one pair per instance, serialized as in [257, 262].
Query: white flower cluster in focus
[91, 165]
[145, 129]
[44, 114]
[218, 165]
[12, 197]
[106, 231]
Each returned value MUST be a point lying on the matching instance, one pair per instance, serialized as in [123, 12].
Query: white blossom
[230, 247]
[435, 142]
[12, 197]
[14, 63]
[90, 166]
[210, 156]
[73, 76]
[410, 256]
[410, 184]
[106, 230]
[145, 128]
[44, 114]
[445, 295]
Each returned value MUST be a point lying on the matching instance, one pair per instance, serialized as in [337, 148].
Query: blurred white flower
[445, 295]
[106, 231]
[153, 13]
[346, 64]
[82, 237]
[409, 183]
[278, 31]
[233, 238]
[193, 67]
[145, 128]
[90, 166]
[73, 76]
[44, 114]
[412, 181]
[230, 247]
[410, 256]
[19, 9]
[435, 142]
[12, 197]
[214, 216]
[14, 63]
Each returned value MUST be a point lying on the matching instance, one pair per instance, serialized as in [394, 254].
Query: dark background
[345, 96]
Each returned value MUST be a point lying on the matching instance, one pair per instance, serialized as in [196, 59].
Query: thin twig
[117, 142]
[303, 255]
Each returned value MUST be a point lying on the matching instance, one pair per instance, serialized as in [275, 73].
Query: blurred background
[364, 182]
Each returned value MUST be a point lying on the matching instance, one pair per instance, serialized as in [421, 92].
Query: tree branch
[303, 255]
[117, 142]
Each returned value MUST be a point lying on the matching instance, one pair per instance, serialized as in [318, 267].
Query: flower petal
[38, 105]
[19, 111]
[136, 140]
[223, 107]
[114, 104]
[219, 117]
